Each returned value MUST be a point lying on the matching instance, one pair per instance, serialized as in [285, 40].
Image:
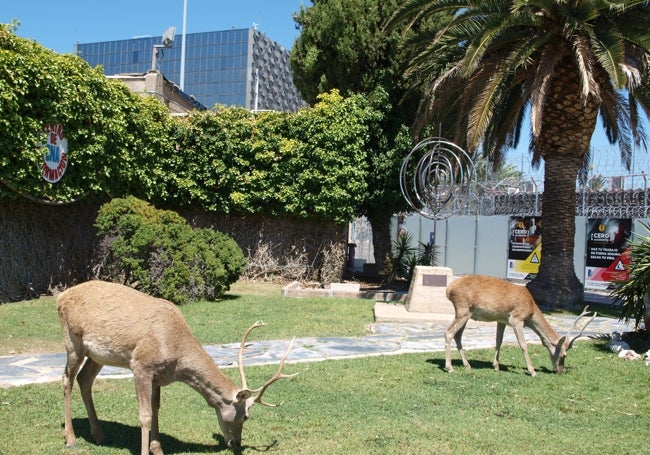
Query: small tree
[343, 45]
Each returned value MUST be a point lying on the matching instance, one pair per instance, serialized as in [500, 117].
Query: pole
[183, 46]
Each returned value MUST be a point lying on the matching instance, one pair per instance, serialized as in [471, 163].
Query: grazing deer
[112, 324]
[485, 298]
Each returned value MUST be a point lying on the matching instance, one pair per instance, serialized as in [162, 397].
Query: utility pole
[182, 84]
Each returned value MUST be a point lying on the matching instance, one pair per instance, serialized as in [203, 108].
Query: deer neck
[201, 373]
[543, 329]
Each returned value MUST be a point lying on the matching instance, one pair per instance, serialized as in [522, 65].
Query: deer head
[566, 342]
[232, 415]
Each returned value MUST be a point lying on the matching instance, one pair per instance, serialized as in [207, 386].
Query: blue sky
[58, 24]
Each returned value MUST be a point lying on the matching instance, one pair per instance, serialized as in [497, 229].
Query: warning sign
[525, 247]
[608, 255]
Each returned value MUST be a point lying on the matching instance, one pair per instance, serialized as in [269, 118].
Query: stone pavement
[384, 338]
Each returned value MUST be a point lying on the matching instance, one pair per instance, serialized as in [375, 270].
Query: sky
[59, 24]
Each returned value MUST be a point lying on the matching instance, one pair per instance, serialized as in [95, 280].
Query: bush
[401, 263]
[158, 252]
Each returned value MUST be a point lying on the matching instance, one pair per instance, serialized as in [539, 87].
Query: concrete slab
[345, 287]
[389, 312]
[342, 290]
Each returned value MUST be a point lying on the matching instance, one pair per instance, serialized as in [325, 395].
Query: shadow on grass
[121, 436]
[227, 296]
[127, 437]
[484, 365]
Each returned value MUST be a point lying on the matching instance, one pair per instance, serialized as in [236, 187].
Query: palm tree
[559, 64]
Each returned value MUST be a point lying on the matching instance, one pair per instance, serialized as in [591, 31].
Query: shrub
[158, 252]
[401, 263]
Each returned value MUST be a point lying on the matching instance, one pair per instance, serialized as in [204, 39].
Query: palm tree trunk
[563, 141]
[556, 284]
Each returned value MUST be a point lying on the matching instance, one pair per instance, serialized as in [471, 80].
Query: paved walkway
[383, 339]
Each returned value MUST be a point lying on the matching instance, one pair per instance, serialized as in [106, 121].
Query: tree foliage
[308, 164]
[114, 137]
[343, 46]
[632, 294]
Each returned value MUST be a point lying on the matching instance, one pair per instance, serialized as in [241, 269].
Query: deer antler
[584, 313]
[275, 377]
[240, 357]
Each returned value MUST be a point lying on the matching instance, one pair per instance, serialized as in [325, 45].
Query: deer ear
[561, 341]
[243, 395]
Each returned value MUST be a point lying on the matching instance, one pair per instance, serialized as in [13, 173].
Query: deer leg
[74, 360]
[143, 392]
[455, 331]
[154, 445]
[500, 329]
[85, 378]
[519, 333]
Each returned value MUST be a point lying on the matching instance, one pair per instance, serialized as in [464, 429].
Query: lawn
[33, 326]
[402, 404]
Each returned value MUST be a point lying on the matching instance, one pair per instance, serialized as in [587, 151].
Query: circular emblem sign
[55, 161]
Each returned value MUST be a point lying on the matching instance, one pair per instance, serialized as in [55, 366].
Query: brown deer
[112, 324]
[485, 298]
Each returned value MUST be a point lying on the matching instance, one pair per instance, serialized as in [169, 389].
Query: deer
[490, 299]
[113, 324]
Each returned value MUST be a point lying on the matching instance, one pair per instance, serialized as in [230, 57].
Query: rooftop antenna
[167, 40]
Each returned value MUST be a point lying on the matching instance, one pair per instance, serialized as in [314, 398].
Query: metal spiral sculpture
[436, 175]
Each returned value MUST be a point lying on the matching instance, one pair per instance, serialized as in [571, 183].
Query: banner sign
[607, 252]
[55, 161]
[525, 247]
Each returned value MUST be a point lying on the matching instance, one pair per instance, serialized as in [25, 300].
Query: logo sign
[55, 161]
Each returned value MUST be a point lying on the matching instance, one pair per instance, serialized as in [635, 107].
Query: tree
[342, 46]
[563, 63]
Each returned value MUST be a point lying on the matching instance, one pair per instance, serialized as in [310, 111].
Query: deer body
[112, 324]
[490, 299]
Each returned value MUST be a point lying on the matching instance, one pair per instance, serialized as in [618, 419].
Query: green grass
[33, 326]
[380, 405]
[402, 404]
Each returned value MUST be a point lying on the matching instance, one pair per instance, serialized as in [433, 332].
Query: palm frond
[609, 51]
[586, 62]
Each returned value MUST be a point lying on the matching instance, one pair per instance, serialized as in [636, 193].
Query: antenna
[167, 40]
[168, 36]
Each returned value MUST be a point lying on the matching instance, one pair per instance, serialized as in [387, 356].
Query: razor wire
[592, 204]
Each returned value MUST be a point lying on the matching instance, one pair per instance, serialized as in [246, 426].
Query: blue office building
[239, 67]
